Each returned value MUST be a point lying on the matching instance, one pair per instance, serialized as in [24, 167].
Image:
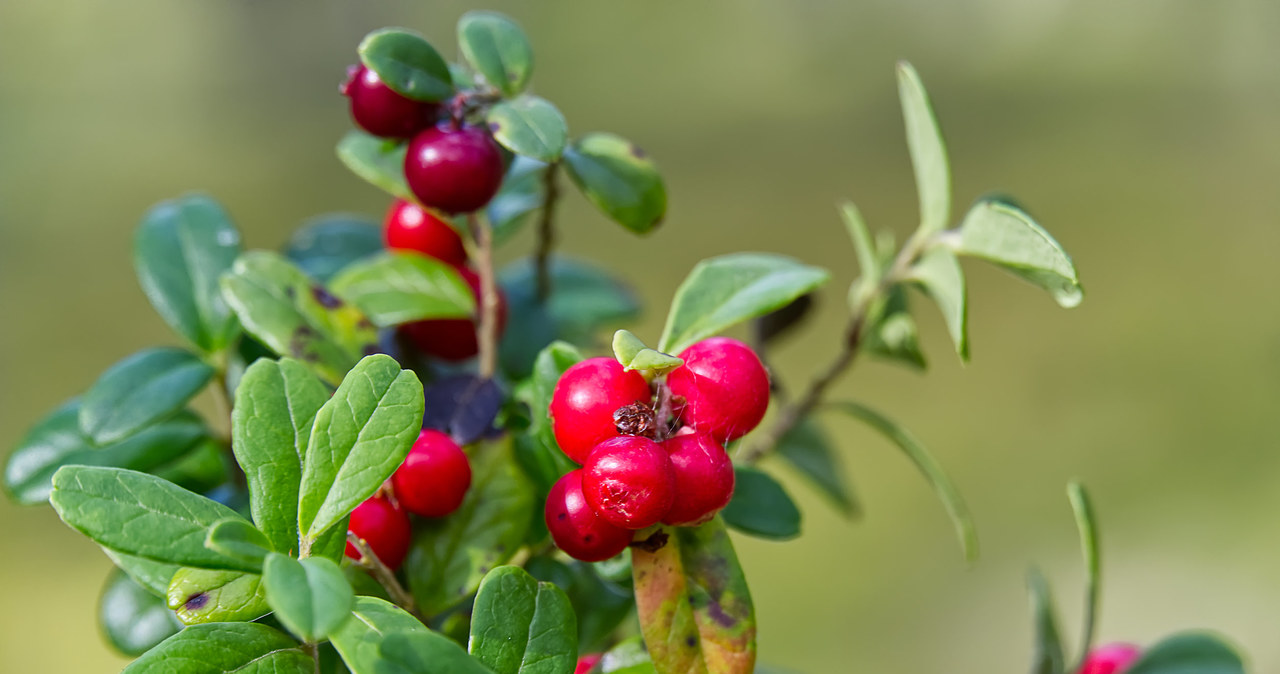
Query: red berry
[629, 481]
[587, 662]
[453, 170]
[381, 111]
[704, 478]
[454, 338]
[576, 528]
[412, 227]
[584, 400]
[384, 527]
[434, 477]
[1110, 659]
[725, 387]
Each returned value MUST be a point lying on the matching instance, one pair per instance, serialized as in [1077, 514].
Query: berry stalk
[383, 574]
[487, 327]
[546, 231]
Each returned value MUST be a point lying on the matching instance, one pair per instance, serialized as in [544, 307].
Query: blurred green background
[1145, 136]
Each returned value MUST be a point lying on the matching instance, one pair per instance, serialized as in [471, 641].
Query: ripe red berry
[725, 387]
[629, 481]
[704, 478]
[381, 111]
[586, 662]
[576, 528]
[453, 170]
[1110, 659]
[414, 228]
[584, 400]
[454, 338]
[434, 477]
[384, 527]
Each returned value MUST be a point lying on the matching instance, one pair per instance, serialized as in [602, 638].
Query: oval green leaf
[379, 161]
[761, 507]
[140, 390]
[599, 604]
[938, 274]
[310, 596]
[407, 63]
[497, 48]
[1004, 234]
[243, 648]
[326, 244]
[529, 126]
[522, 193]
[133, 619]
[208, 596]
[238, 539]
[1189, 653]
[398, 288]
[893, 334]
[619, 178]
[808, 449]
[383, 638]
[521, 626]
[928, 153]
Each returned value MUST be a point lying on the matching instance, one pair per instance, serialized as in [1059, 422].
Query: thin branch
[487, 328]
[546, 231]
[383, 574]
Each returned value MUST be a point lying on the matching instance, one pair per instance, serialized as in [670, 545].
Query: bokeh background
[1145, 136]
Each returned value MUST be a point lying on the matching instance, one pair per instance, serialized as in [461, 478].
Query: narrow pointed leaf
[238, 539]
[379, 161]
[498, 49]
[1087, 524]
[1047, 657]
[326, 244]
[863, 244]
[310, 596]
[398, 288]
[521, 626]
[1189, 653]
[809, 450]
[224, 648]
[529, 126]
[381, 638]
[928, 153]
[634, 355]
[201, 596]
[1004, 234]
[407, 63]
[133, 619]
[619, 178]
[939, 275]
[761, 507]
[140, 390]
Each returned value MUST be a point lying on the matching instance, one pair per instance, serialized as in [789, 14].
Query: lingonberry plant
[426, 473]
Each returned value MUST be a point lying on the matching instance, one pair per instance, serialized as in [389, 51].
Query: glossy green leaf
[131, 617]
[201, 596]
[522, 192]
[224, 648]
[497, 48]
[1087, 524]
[326, 244]
[529, 126]
[204, 468]
[808, 449]
[928, 466]
[397, 288]
[379, 161]
[928, 154]
[450, 555]
[1004, 234]
[1189, 653]
[407, 63]
[310, 596]
[723, 291]
[360, 436]
[238, 539]
[619, 178]
[275, 406]
[634, 355]
[537, 451]
[522, 626]
[600, 604]
[280, 306]
[56, 441]
[140, 390]
[149, 574]
[425, 652]
[694, 605]
[583, 299]
[761, 507]
[938, 274]
[381, 638]
[1047, 658]
[141, 515]
[893, 334]
[180, 250]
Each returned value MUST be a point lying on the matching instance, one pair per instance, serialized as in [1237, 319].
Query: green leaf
[310, 596]
[863, 244]
[522, 192]
[201, 470]
[326, 244]
[599, 604]
[427, 652]
[893, 334]
[296, 317]
[450, 555]
[238, 539]
[151, 575]
[56, 441]
[1189, 653]
[224, 648]
[529, 126]
[583, 297]
[397, 288]
[179, 251]
[275, 406]
[723, 291]
[1048, 644]
[131, 618]
[809, 450]
[496, 47]
[928, 154]
[407, 63]
[360, 437]
[938, 274]
[761, 507]
[694, 605]
[384, 639]
[634, 355]
[379, 161]
[628, 657]
[140, 390]
[141, 515]
[1087, 524]
[619, 178]
[1001, 233]
[537, 451]
[928, 466]
[521, 626]
[210, 596]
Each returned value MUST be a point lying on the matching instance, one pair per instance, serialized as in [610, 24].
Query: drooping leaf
[808, 449]
[634, 355]
[180, 250]
[1047, 658]
[723, 291]
[238, 539]
[619, 178]
[761, 507]
[769, 327]
[222, 648]
[1087, 524]
[201, 596]
[381, 638]
[529, 126]
[928, 153]
[694, 605]
[310, 596]
[521, 194]
[149, 574]
[326, 244]
[497, 48]
[893, 334]
[379, 161]
[1189, 653]
[142, 389]
[522, 626]
[1004, 234]
[599, 604]
[397, 288]
[938, 274]
[133, 619]
[407, 63]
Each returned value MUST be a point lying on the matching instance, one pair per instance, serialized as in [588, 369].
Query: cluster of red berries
[643, 465]
[431, 482]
